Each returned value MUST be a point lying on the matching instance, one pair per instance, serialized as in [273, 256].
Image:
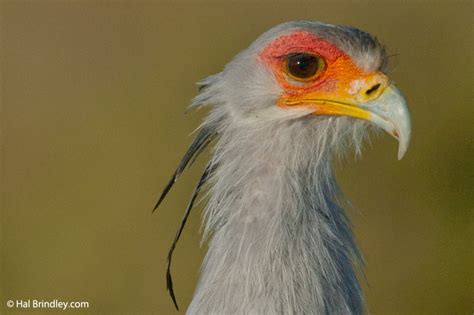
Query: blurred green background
[92, 126]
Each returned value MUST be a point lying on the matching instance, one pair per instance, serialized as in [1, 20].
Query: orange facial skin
[338, 86]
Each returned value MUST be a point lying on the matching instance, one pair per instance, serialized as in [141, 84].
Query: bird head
[312, 69]
[289, 100]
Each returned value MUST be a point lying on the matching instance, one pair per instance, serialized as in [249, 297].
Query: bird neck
[280, 244]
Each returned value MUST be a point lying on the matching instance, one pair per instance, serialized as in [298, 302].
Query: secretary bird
[280, 111]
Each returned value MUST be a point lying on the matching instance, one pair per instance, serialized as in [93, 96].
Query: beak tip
[400, 154]
[390, 112]
[402, 147]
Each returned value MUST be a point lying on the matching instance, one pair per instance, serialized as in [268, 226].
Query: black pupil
[303, 65]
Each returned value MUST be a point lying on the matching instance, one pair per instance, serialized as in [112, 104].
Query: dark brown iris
[303, 66]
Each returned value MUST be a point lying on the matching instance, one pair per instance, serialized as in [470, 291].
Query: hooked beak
[385, 108]
[390, 112]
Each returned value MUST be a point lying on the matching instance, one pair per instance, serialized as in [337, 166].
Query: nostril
[372, 89]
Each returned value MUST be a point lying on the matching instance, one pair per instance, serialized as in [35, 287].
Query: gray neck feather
[280, 244]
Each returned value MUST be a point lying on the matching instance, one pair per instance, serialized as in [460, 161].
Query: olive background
[93, 95]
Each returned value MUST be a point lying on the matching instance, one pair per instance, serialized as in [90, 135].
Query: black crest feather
[204, 136]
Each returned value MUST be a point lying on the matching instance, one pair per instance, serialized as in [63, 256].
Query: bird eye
[303, 66]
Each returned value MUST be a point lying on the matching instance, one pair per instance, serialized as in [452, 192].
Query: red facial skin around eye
[339, 69]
